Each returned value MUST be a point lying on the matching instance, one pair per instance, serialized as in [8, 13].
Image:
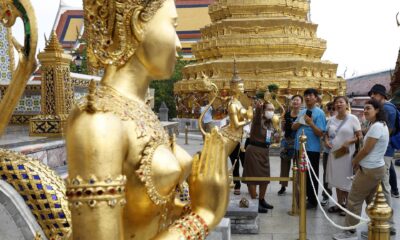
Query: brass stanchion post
[186, 134]
[295, 206]
[302, 202]
[379, 212]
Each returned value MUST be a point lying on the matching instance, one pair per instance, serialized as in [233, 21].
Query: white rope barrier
[362, 220]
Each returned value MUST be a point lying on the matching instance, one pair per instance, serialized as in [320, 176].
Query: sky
[362, 35]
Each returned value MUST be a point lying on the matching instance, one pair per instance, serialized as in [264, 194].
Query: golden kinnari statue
[124, 170]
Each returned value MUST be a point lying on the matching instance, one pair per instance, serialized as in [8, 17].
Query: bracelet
[191, 226]
[92, 191]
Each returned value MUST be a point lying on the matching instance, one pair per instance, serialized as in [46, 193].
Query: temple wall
[6, 58]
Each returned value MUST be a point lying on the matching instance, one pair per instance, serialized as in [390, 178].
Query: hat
[378, 88]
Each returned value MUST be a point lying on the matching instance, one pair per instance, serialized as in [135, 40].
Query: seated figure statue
[124, 170]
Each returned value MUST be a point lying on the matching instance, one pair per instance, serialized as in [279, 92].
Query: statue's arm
[95, 188]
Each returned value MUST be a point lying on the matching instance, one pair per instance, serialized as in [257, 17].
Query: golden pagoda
[273, 42]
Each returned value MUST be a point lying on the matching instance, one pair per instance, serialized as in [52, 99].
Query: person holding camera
[256, 163]
[313, 122]
[287, 144]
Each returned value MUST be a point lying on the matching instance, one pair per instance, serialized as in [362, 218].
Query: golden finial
[379, 212]
[90, 97]
[303, 137]
[235, 77]
[53, 44]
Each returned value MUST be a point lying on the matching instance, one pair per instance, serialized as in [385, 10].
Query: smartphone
[309, 113]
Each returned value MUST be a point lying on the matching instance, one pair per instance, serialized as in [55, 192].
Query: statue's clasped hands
[209, 182]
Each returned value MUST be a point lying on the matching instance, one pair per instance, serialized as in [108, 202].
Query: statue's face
[239, 88]
[159, 49]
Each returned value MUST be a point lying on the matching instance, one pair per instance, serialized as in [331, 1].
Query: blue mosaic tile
[61, 215]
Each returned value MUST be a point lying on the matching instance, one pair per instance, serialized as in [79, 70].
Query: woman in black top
[287, 143]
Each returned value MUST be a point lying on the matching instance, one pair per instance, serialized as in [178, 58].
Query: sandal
[334, 209]
[236, 191]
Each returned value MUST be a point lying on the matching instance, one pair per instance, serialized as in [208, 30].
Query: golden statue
[124, 171]
[271, 96]
[238, 115]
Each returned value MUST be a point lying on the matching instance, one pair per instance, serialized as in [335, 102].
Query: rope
[362, 220]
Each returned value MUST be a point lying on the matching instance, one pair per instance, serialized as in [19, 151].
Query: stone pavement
[277, 224]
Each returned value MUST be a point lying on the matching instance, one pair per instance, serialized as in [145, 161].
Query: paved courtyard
[274, 225]
[277, 224]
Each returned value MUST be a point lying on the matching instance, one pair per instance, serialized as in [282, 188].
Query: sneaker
[397, 162]
[345, 235]
[282, 191]
[325, 201]
[262, 210]
[395, 195]
[311, 206]
[264, 204]
[392, 231]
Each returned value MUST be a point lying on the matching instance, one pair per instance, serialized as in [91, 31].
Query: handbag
[338, 153]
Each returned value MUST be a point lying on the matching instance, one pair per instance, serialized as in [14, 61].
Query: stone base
[222, 231]
[243, 220]
[194, 123]
[171, 127]
[51, 151]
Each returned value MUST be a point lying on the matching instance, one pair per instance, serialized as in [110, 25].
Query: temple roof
[395, 83]
[69, 21]
[361, 85]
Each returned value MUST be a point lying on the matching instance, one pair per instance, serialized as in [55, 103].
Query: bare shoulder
[95, 142]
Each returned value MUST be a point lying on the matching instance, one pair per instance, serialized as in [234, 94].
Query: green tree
[164, 89]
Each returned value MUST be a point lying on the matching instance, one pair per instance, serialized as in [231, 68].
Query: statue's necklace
[107, 99]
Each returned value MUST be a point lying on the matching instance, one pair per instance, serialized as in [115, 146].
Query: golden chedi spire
[273, 43]
[53, 45]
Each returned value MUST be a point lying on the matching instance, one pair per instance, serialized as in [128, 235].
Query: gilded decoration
[41, 188]
[273, 42]
[92, 191]
[102, 17]
[57, 95]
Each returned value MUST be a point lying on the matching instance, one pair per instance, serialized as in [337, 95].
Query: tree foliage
[164, 89]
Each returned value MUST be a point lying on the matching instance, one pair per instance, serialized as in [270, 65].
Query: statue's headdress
[109, 35]
[235, 77]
